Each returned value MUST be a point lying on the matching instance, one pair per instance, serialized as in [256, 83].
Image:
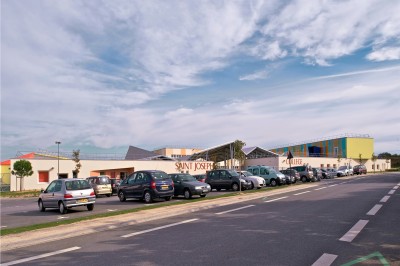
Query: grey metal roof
[135, 153]
[257, 152]
[217, 154]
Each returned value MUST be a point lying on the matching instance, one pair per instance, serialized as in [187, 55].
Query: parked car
[306, 173]
[67, 193]
[317, 173]
[101, 185]
[332, 171]
[271, 176]
[292, 176]
[360, 169]
[201, 177]
[226, 179]
[114, 185]
[344, 170]
[325, 173]
[146, 185]
[256, 181]
[187, 185]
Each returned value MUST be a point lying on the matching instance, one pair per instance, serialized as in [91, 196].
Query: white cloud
[384, 54]
[256, 75]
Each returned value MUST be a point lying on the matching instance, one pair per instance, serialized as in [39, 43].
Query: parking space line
[332, 185]
[385, 198]
[302, 193]
[320, 188]
[374, 209]
[158, 228]
[391, 192]
[40, 256]
[248, 206]
[395, 187]
[325, 260]
[354, 231]
[275, 199]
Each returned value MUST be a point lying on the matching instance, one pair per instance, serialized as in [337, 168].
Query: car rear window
[77, 185]
[160, 175]
[103, 180]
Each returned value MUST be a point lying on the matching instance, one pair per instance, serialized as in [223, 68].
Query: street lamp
[58, 158]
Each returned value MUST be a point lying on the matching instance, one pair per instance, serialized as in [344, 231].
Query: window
[43, 176]
[335, 151]
[322, 165]
[334, 165]
[328, 165]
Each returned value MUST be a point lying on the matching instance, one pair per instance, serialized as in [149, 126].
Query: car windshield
[187, 178]
[159, 175]
[246, 173]
[77, 185]
[342, 167]
[233, 173]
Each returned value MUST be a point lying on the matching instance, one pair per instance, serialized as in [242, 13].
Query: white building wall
[88, 166]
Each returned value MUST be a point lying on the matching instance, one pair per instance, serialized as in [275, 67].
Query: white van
[271, 176]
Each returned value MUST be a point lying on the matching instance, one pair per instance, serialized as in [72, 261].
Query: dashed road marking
[325, 260]
[384, 199]
[248, 206]
[354, 231]
[320, 188]
[40, 256]
[395, 187]
[374, 209]
[332, 185]
[159, 228]
[275, 199]
[391, 192]
[62, 217]
[304, 192]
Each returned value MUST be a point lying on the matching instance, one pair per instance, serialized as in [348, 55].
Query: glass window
[256, 171]
[43, 176]
[131, 179]
[57, 188]
[51, 187]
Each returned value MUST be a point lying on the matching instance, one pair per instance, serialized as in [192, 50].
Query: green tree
[21, 169]
[239, 154]
[339, 158]
[374, 158]
[360, 158]
[75, 158]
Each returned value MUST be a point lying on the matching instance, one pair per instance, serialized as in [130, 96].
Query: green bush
[393, 170]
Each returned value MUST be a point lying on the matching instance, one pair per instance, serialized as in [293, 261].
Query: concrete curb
[15, 241]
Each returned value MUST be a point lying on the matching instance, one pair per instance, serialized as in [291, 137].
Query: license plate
[164, 187]
[205, 190]
[82, 200]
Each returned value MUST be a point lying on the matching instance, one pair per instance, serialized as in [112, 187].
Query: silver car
[67, 193]
[256, 181]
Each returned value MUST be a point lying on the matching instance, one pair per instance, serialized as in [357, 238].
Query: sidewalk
[15, 241]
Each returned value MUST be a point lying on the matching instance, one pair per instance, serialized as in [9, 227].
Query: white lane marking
[325, 260]
[395, 187]
[158, 228]
[40, 256]
[275, 199]
[304, 192]
[110, 210]
[385, 198]
[320, 188]
[374, 209]
[354, 231]
[332, 185]
[235, 209]
[62, 217]
[391, 192]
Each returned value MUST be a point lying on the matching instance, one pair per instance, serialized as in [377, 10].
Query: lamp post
[58, 158]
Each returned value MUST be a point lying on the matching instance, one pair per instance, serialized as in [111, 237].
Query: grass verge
[20, 194]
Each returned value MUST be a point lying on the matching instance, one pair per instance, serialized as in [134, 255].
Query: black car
[114, 185]
[201, 177]
[187, 185]
[226, 179]
[147, 185]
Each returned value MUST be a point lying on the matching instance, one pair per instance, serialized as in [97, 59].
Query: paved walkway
[14, 241]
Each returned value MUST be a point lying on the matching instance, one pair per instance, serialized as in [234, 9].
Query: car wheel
[252, 185]
[41, 207]
[202, 196]
[109, 195]
[187, 194]
[62, 208]
[218, 189]
[168, 198]
[235, 187]
[147, 197]
[121, 196]
[304, 179]
[90, 207]
[273, 183]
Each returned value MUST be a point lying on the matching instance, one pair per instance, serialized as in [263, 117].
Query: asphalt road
[340, 222]
[17, 212]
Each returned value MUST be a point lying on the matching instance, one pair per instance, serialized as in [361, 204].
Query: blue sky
[102, 75]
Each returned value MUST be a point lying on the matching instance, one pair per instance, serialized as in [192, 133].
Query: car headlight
[198, 187]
